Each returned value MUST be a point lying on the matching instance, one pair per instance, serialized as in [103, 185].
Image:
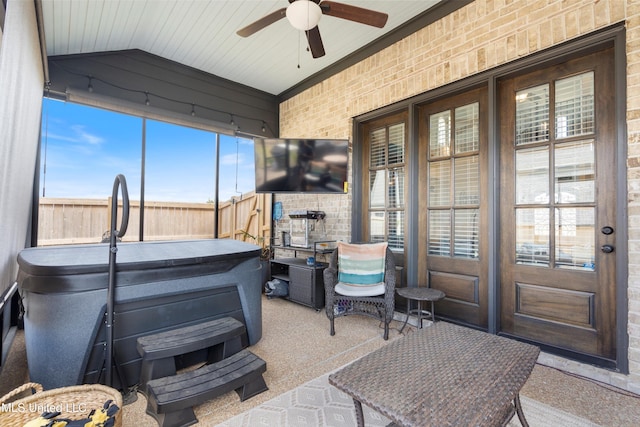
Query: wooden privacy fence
[78, 221]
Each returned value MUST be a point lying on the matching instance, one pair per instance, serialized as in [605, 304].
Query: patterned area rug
[317, 403]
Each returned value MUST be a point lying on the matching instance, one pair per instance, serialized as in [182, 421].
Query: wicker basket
[74, 402]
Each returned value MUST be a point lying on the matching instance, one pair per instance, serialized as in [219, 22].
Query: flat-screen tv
[301, 165]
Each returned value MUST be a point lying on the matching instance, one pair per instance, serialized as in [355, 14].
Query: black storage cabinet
[306, 285]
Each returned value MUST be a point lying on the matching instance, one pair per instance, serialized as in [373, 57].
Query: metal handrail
[120, 182]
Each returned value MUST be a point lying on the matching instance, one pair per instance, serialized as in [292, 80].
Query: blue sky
[85, 148]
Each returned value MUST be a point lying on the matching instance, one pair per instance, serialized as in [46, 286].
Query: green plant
[265, 253]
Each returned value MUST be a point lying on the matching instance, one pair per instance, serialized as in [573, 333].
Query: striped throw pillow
[361, 265]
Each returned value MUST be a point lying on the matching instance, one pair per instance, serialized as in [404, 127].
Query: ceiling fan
[304, 15]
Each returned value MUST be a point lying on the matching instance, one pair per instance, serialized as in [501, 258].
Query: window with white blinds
[467, 128]
[439, 134]
[454, 177]
[387, 185]
[532, 115]
[555, 170]
[574, 105]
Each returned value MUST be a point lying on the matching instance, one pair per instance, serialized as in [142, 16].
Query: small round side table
[420, 294]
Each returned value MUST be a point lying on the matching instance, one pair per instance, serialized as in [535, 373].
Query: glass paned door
[557, 145]
[453, 204]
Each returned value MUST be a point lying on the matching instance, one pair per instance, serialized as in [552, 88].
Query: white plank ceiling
[202, 35]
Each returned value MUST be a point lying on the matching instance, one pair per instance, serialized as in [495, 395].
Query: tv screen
[301, 165]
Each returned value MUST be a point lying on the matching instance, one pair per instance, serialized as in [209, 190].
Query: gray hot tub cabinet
[159, 286]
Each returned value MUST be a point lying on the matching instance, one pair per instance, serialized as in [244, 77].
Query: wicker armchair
[380, 306]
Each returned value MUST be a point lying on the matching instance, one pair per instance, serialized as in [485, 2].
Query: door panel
[454, 211]
[462, 296]
[557, 181]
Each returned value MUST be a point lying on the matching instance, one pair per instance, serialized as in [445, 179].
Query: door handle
[607, 249]
[607, 230]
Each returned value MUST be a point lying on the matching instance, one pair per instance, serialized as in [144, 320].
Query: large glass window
[454, 176]
[386, 184]
[171, 168]
[177, 187]
[83, 149]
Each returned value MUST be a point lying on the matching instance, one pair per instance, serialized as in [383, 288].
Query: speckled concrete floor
[297, 348]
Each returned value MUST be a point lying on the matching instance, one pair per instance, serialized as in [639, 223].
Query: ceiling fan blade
[354, 13]
[262, 23]
[315, 42]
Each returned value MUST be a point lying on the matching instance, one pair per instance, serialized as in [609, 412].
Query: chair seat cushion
[361, 265]
[351, 290]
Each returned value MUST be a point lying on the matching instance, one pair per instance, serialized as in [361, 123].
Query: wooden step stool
[222, 337]
[170, 400]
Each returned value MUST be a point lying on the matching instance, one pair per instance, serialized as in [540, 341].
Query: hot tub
[159, 286]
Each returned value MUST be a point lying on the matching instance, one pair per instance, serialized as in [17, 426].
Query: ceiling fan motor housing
[304, 14]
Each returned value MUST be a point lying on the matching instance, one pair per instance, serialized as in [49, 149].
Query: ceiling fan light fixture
[304, 14]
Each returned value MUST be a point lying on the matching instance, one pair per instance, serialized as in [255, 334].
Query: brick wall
[478, 37]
